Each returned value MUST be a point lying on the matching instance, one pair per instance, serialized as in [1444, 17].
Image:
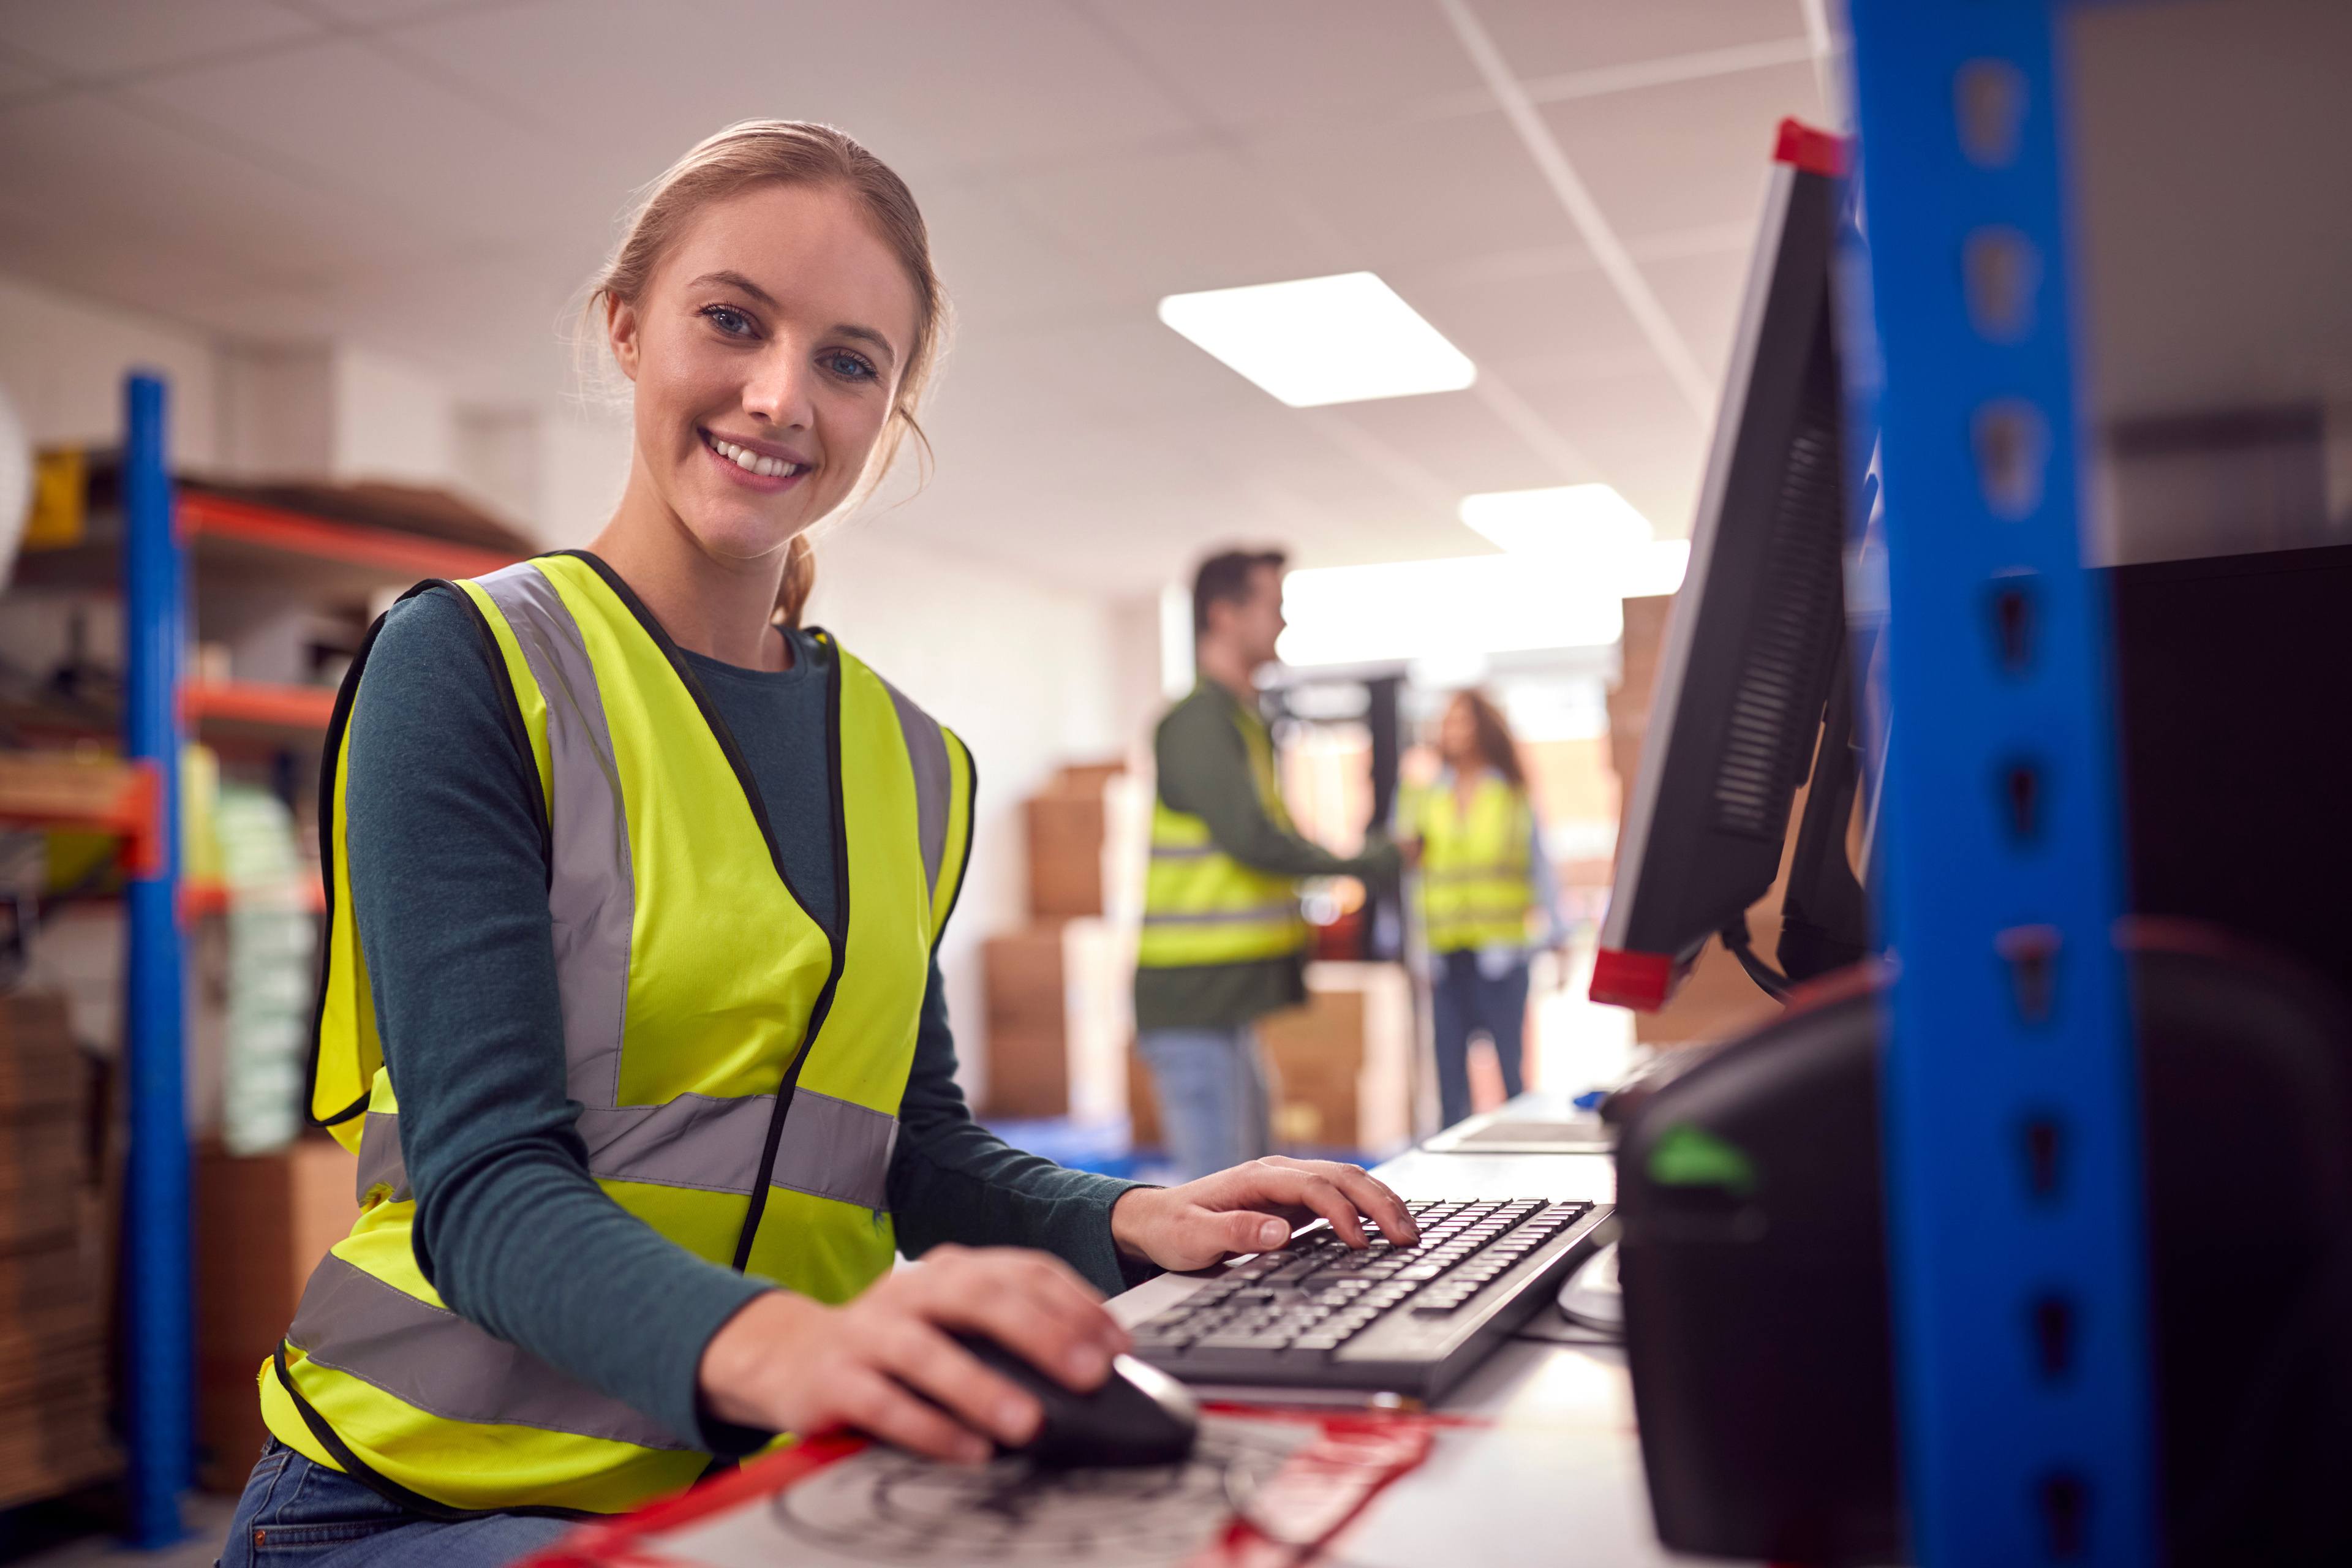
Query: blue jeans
[1212, 1096]
[296, 1514]
[1467, 1000]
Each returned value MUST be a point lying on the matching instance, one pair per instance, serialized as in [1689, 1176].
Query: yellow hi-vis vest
[1477, 887]
[1203, 906]
[738, 1070]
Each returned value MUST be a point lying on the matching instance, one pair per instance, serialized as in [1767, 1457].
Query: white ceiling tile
[629, 85]
[1643, 437]
[1544, 38]
[1689, 155]
[1459, 439]
[18, 81]
[1001, 268]
[128, 183]
[434, 157]
[92, 38]
[393, 12]
[1167, 222]
[1702, 294]
[1567, 314]
[1403, 193]
[1246, 63]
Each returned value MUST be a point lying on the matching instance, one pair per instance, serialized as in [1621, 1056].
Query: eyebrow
[737, 282]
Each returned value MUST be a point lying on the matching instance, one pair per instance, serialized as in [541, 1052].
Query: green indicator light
[1690, 1156]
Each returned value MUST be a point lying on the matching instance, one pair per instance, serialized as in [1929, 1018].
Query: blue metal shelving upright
[156, 1218]
[2017, 1232]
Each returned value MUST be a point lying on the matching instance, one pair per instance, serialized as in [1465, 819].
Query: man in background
[1223, 943]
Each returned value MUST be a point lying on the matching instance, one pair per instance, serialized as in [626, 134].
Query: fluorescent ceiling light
[1585, 522]
[1588, 530]
[1314, 341]
[1407, 610]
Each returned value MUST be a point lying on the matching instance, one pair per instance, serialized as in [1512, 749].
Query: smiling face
[766, 350]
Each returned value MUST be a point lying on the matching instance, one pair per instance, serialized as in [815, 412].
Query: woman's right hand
[787, 1364]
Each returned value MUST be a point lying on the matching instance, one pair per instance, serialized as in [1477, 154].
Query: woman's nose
[779, 392]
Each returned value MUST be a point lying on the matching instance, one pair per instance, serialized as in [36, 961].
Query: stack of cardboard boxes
[263, 1221]
[54, 1274]
[1056, 989]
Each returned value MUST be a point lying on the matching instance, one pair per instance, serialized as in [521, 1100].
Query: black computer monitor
[1751, 646]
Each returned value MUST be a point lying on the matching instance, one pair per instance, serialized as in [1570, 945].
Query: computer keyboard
[1408, 1320]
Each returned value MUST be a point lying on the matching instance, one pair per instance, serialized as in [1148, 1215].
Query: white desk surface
[1557, 1480]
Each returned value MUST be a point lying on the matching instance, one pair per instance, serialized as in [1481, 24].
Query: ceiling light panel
[1316, 340]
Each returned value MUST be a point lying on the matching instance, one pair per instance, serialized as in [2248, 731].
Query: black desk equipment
[1753, 1264]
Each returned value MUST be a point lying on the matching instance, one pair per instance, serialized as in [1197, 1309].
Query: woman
[1484, 881]
[633, 1011]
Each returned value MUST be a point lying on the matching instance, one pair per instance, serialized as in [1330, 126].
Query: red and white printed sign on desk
[1264, 1489]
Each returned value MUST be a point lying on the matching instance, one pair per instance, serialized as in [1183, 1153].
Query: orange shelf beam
[296, 534]
[248, 702]
[87, 795]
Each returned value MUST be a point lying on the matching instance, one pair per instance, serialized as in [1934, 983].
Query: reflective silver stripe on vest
[927, 748]
[1259, 916]
[1185, 851]
[429, 1357]
[829, 1148]
[381, 1161]
[592, 889]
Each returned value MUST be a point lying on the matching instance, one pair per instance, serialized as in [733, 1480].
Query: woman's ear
[621, 332]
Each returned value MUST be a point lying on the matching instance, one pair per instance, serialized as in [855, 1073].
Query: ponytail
[800, 582]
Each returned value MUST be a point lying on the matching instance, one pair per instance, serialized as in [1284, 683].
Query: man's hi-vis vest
[738, 1070]
[1476, 887]
[1203, 906]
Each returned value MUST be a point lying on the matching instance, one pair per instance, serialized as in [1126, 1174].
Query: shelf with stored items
[238, 608]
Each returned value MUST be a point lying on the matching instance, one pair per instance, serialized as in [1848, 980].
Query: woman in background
[1484, 881]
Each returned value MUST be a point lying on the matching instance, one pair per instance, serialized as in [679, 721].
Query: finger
[935, 1366]
[1237, 1230]
[880, 1408]
[1034, 1308]
[1310, 1189]
[1374, 1197]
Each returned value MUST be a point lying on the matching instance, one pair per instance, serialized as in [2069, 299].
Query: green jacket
[1205, 771]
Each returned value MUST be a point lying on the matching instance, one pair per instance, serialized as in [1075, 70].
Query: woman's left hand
[1250, 1209]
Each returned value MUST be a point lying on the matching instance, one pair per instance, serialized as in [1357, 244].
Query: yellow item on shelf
[60, 495]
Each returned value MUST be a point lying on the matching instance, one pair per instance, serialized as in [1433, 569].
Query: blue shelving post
[156, 1196]
[2017, 1232]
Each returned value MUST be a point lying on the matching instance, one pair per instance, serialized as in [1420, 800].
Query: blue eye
[729, 320]
[842, 363]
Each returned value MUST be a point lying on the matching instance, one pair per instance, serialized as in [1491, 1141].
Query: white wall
[63, 362]
[1024, 673]
[392, 421]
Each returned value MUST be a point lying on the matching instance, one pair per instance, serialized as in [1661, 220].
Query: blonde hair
[792, 152]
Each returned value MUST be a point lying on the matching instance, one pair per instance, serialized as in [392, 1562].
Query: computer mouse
[1140, 1414]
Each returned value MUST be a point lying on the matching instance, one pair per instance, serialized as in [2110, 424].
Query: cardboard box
[1056, 1020]
[54, 1308]
[262, 1222]
[1066, 856]
[1341, 1067]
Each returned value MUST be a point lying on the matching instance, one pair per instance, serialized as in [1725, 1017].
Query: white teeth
[751, 462]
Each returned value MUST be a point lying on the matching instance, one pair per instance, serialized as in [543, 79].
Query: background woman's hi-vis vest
[1203, 906]
[1477, 888]
[740, 1070]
